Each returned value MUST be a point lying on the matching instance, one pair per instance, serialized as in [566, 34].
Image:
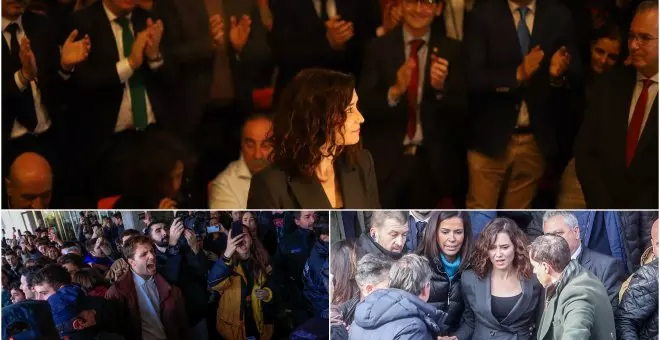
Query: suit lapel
[548, 316]
[485, 297]
[351, 186]
[398, 49]
[541, 22]
[107, 50]
[620, 120]
[520, 307]
[510, 33]
[309, 193]
[649, 133]
[585, 257]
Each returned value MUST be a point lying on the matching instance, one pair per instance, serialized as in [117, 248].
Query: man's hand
[403, 76]
[439, 71]
[136, 58]
[191, 238]
[239, 32]
[155, 29]
[74, 52]
[559, 62]
[176, 230]
[338, 32]
[28, 61]
[530, 64]
[217, 30]
[262, 294]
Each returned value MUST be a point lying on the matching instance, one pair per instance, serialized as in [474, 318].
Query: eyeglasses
[643, 39]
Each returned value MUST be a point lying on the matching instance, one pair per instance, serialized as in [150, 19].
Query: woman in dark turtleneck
[446, 244]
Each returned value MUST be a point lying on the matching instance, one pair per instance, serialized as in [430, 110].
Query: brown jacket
[172, 308]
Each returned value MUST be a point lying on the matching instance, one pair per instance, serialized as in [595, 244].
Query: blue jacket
[396, 314]
[315, 279]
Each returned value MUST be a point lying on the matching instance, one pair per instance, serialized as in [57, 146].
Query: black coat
[636, 227]
[637, 315]
[600, 150]
[609, 270]
[272, 188]
[446, 295]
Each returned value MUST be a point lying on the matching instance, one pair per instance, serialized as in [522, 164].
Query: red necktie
[413, 87]
[635, 125]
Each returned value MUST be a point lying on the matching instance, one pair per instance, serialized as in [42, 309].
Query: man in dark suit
[321, 33]
[520, 53]
[413, 102]
[609, 270]
[121, 81]
[616, 156]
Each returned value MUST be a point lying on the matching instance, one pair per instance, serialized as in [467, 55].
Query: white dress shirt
[229, 190]
[43, 120]
[652, 93]
[124, 70]
[149, 304]
[418, 138]
[577, 253]
[330, 7]
[523, 114]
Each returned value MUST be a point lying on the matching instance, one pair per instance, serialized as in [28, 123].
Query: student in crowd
[502, 298]
[447, 245]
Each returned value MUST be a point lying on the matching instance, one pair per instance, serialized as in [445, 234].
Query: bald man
[30, 182]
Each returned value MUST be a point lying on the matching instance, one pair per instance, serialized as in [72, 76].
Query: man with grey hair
[609, 270]
[372, 273]
[401, 311]
[577, 305]
[616, 152]
[387, 235]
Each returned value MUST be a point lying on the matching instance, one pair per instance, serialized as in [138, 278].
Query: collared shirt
[231, 187]
[422, 54]
[427, 219]
[43, 120]
[124, 70]
[523, 114]
[577, 253]
[652, 93]
[454, 13]
[330, 8]
[149, 304]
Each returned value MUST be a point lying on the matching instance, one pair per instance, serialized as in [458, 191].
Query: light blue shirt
[149, 303]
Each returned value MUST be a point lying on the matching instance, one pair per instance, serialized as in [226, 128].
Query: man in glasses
[412, 95]
[617, 149]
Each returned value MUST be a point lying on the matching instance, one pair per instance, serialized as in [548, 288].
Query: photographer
[241, 278]
[184, 265]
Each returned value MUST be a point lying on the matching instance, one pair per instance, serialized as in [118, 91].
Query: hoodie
[396, 314]
[315, 279]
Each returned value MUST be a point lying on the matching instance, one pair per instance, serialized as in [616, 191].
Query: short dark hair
[9, 253]
[30, 273]
[15, 285]
[117, 215]
[73, 259]
[128, 232]
[88, 278]
[551, 249]
[130, 246]
[53, 274]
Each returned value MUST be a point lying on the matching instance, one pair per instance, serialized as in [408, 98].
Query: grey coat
[478, 320]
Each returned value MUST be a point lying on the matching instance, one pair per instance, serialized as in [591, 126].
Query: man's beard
[164, 242]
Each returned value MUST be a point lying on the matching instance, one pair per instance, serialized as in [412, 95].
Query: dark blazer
[600, 151]
[99, 89]
[608, 269]
[493, 54]
[478, 320]
[442, 112]
[272, 188]
[188, 44]
[299, 37]
[43, 41]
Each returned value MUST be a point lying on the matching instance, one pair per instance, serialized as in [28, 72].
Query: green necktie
[136, 83]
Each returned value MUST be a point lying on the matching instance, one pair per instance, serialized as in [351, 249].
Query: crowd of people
[481, 104]
[455, 275]
[195, 275]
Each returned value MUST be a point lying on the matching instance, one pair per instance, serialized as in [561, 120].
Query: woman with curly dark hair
[318, 161]
[501, 296]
